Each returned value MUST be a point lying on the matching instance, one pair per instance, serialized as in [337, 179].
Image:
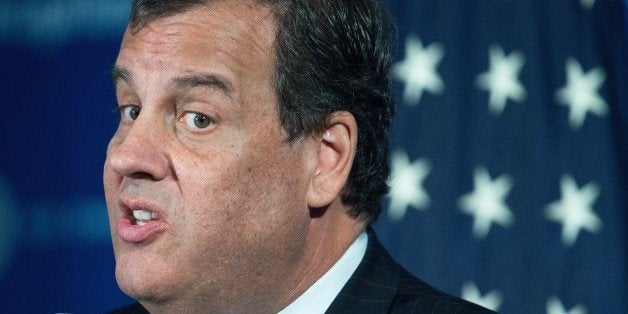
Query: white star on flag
[418, 70]
[487, 202]
[492, 300]
[406, 185]
[574, 210]
[501, 79]
[581, 93]
[554, 306]
[587, 4]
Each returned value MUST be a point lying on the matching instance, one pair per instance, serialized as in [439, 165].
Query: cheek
[222, 196]
[242, 197]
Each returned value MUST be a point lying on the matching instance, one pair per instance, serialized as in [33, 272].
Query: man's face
[221, 198]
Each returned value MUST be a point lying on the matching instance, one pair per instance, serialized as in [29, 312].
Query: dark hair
[330, 55]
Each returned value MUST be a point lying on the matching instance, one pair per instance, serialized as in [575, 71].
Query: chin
[141, 280]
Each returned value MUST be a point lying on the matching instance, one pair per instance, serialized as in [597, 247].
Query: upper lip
[128, 205]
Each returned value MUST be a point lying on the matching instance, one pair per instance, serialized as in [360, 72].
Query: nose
[139, 151]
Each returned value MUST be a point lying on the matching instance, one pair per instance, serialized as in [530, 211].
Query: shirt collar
[322, 293]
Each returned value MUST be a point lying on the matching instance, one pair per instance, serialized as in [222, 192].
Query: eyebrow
[184, 82]
[118, 73]
[203, 80]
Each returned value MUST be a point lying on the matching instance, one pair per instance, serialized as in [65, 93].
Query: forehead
[233, 34]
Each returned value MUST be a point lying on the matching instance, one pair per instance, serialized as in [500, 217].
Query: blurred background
[509, 163]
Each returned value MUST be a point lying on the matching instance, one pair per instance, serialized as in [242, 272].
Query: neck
[329, 237]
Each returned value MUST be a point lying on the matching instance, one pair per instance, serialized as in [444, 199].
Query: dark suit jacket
[380, 285]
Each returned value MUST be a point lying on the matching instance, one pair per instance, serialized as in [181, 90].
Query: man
[251, 157]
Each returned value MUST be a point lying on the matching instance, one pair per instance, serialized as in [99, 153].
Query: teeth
[143, 216]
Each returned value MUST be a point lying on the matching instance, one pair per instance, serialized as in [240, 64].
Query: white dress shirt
[321, 294]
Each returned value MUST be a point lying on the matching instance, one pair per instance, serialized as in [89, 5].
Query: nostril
[142, 175]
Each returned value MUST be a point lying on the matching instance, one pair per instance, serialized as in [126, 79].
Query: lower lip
[129, 232]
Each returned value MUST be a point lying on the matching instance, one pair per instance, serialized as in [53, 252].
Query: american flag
[509, 152]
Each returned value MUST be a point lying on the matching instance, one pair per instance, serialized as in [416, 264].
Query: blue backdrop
[509, 153]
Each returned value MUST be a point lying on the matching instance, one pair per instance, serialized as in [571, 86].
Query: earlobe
[334, 159]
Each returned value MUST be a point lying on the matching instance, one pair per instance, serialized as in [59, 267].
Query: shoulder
[416, 296]
[134, 308]
[381, 285]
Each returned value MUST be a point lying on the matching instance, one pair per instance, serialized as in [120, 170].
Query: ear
[334, 159]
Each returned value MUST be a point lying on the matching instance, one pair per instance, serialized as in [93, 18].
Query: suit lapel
[374, 284]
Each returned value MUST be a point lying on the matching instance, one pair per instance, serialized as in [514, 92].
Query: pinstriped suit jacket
[380, 285]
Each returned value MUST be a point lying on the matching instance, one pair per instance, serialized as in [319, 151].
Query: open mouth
[140, 221]
[142, 217]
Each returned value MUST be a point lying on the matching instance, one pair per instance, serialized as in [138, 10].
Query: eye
[197, 120]
[130, 112]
